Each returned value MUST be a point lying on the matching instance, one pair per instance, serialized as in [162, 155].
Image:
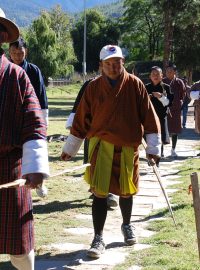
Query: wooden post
[196, 201]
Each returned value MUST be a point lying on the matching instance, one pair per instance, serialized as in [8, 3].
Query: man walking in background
[161, 98]
[174, 117]
[195, 95]
[186, 102]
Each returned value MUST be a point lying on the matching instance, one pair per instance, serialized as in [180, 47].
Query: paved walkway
[149, 198]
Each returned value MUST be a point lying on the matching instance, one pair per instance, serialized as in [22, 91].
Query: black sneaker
[129, 235]
[97, 247]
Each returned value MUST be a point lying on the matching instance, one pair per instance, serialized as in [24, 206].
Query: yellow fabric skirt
[99, 180]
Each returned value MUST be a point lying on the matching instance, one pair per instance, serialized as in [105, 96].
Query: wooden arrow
[16, 183]
[21, 182]
[67, 171]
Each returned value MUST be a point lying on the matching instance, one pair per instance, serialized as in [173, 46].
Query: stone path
[149, 198]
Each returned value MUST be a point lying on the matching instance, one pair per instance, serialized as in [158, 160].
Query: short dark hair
[172, 66]
[20, 43]
[156, 68]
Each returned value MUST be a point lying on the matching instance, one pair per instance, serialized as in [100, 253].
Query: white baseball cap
[110, 51]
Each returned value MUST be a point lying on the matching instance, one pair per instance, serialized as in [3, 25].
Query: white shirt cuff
[35, 157]
[195, 94]
[153, 144]
[72, 145]
[70, 120]
[164, 100]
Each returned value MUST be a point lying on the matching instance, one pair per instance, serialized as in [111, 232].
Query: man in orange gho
[114, 113]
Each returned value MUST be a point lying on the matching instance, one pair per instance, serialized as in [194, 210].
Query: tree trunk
[189, 75]
[168, 36]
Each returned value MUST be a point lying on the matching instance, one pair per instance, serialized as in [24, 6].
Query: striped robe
[174, 117]
[21, 121]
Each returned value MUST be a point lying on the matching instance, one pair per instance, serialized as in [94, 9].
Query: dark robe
[21, 120]
[159, 108]
[174, 117]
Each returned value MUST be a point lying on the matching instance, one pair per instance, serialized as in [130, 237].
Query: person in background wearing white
[195, 95]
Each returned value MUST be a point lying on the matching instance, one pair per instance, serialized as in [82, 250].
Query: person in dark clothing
[111, 199]
[18, 53]
[186, 102]
[162, 98]
[72, 114]
[174, 118]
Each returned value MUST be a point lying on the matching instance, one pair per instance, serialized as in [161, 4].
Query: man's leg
[24, 261]
[185, 111]
[112, 200]
[126, 204]
[99, 214]
[174, 142]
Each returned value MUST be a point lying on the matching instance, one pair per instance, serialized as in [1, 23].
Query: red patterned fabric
[21, 120]
[174, 118]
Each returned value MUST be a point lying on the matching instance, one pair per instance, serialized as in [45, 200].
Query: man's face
[17, 54]
[156, 77]
[112, 67]
[170, 73]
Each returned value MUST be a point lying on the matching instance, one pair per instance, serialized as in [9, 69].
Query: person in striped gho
[18, 53]
[178, 89]
[23, 154]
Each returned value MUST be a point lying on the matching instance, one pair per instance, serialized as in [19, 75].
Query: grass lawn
[173, 249]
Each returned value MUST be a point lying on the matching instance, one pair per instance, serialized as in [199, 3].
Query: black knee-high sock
[162, 149]
[174, 140]
[99, 213]
[126, 209]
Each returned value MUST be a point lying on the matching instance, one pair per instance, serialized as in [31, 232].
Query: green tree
[50, 45]
[186, 40]
[176, 14]
[61, 24]
[100, 31]
[143, 29]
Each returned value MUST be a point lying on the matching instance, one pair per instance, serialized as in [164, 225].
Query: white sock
[24, 261]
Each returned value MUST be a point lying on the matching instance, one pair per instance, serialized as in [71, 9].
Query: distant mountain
[23, 12]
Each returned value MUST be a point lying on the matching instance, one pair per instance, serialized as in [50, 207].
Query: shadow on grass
[162, 213]
[57, 206]
[62, 261]
[57, 158]
[60, 102]
[189, 134]
[59, 112]
[67, 260]
[168, 159]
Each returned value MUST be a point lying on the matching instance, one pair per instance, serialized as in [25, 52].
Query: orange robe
[119, 115]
